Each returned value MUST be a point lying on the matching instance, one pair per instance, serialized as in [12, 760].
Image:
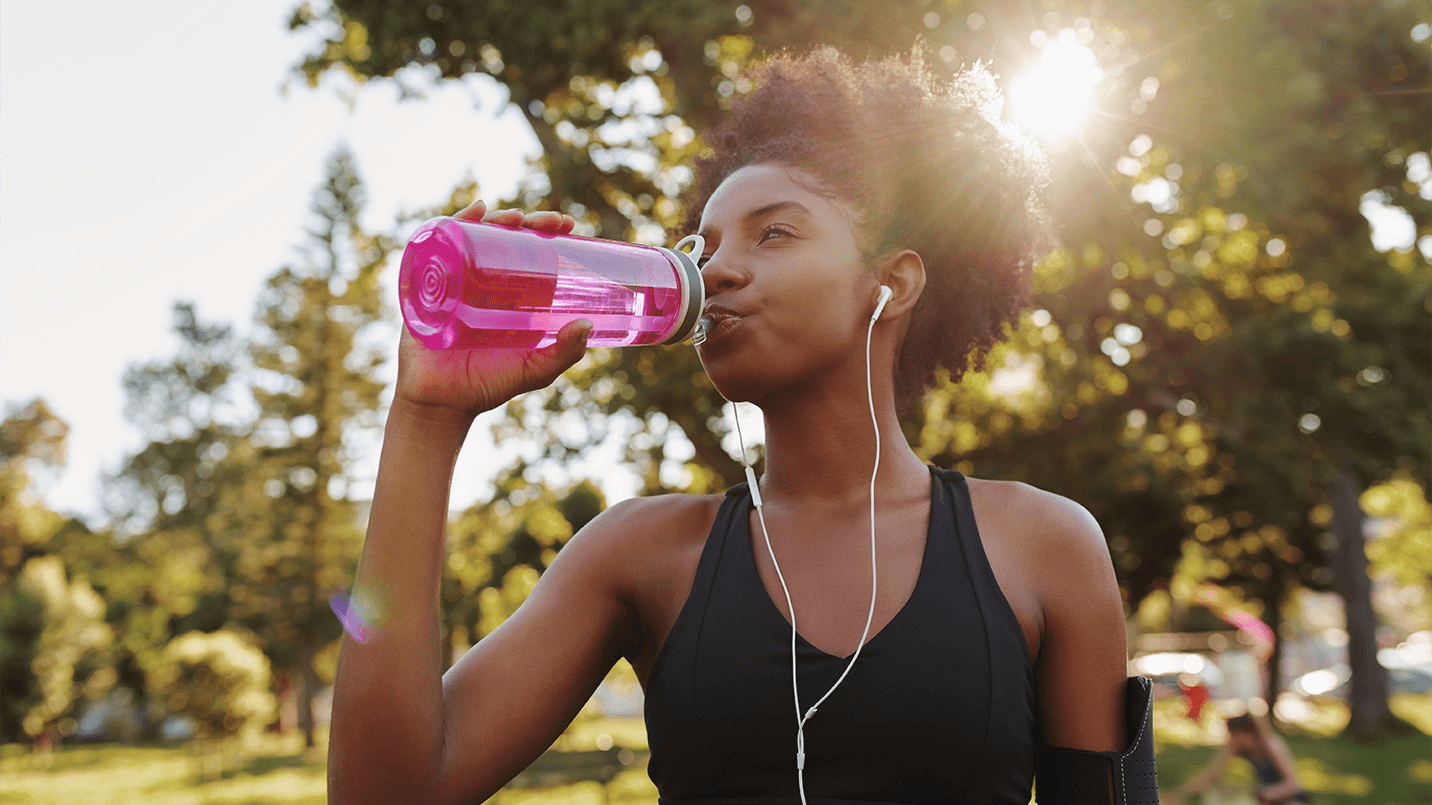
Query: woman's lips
[719, 323]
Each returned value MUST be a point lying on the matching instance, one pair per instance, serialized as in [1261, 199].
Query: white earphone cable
[801, 719]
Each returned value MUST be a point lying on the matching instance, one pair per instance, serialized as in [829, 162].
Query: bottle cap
[695, 295]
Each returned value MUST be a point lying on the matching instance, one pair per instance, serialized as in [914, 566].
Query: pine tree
[314, 385]
[173, 500]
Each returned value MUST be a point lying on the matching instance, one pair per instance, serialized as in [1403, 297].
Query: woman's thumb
[551, 361]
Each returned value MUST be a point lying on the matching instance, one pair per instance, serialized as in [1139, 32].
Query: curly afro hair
[927, 165]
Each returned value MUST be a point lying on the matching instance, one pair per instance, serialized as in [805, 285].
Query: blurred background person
[1272, 763]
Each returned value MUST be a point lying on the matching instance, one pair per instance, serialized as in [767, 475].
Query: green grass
[1334, 770]
[161, 775]
[278, 772]
[274, 771]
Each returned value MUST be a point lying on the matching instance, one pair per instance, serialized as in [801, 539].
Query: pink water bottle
[465, 284]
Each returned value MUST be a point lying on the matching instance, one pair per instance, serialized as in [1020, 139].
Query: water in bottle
[465, 285]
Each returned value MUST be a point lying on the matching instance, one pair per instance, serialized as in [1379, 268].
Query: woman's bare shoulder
[635, 545]
[1048, 544]
[646, 550]
[1046, 521]
[1056, 550]
[653, 524]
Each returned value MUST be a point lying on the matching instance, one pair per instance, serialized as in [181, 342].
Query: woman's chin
[735, 389]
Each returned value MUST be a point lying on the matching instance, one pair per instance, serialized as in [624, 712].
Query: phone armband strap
[1082, 777]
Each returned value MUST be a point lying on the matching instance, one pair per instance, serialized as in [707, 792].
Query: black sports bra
[940, 708]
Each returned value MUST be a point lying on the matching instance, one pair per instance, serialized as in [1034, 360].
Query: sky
[156, 151]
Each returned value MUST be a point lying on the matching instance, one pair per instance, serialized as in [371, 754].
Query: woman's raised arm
[395, 736]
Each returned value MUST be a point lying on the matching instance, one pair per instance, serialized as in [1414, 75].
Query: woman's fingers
[544, 365]
[472, 212]
[504, 217]
[546, 221]
[555, 223]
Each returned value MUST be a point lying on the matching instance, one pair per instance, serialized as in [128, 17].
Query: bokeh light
[1053, 98]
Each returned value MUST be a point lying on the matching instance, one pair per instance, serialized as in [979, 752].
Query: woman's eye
[774, 232]
[702, 261]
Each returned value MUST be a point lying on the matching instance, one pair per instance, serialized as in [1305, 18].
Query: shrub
[219, 679]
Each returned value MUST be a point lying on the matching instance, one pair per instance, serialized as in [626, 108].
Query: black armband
[1082, 777]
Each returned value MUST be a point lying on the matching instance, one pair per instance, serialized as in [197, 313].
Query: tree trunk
[307, 690]
[1273, 616]
[1367, 701]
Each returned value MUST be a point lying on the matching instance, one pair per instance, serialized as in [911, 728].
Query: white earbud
[885, 294]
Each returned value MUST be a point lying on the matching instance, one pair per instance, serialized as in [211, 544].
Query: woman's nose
[719, 273]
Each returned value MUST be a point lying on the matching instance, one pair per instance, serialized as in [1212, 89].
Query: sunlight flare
[1053, 98]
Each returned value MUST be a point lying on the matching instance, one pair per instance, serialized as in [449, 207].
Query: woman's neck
[820, 448]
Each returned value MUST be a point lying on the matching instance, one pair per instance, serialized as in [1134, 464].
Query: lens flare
[1220, 602]
[1053, 98]
[358, 613]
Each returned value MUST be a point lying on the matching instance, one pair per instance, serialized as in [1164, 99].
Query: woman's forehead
[763, 185]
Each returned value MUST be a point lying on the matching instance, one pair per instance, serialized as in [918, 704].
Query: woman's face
[787, 291]
[1244, 743]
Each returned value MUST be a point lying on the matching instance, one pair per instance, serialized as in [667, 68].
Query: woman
[830, 181]
[1272, 763]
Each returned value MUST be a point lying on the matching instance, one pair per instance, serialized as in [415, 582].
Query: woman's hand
[462, 383]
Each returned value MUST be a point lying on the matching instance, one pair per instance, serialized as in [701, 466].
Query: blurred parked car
[1336, 682]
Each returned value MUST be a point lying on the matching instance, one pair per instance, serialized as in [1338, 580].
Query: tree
[174, 500]
[1221, 355]
[32, 441]
[80, 612]
[1269, 130]
[192, 412]
[219, 679]
[1401, 553]
[22, 619]
[497, 550]
[314, 385]
[72, 662]
[1404, 551]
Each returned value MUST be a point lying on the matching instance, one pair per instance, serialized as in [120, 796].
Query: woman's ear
[904, 273]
